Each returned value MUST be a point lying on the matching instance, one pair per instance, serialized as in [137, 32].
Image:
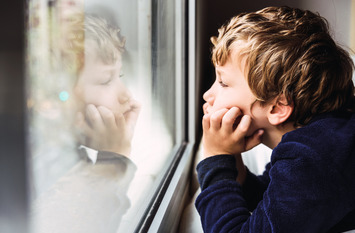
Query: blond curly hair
[79, 29]
[290, 52]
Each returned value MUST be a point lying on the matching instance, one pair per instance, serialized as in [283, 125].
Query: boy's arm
[254, 187]
[291, 202]
[124, 168]
[221, 167]
[297, 198]
[221, 204]
[221, 135]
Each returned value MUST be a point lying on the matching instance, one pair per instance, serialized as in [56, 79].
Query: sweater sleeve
[125, 167]
[254, 187]
[216, 168]
[223, 167]
[298, 198]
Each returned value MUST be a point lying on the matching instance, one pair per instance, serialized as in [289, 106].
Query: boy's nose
[124, 97]
[208, 96]
[205, 96]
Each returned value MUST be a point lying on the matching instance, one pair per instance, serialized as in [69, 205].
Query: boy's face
[231, 89]
[100, 84]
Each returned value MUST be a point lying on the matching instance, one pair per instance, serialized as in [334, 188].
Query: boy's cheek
[210, 109]
[252, 129]
[105, 102]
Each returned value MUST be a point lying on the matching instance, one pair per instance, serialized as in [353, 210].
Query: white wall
[338, 14]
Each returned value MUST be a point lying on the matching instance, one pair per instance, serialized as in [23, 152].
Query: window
[106, 111]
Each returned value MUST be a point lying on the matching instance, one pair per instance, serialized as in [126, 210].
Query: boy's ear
[279, 111]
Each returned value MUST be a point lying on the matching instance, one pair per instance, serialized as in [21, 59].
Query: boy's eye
[222, 84]
[106, 82]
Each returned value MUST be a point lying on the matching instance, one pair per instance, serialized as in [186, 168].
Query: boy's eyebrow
[111, 70]
[218, 72]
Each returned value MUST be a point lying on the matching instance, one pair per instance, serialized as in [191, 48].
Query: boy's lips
[127, 112]
[205, 108]
[207, 111]
[132, 108]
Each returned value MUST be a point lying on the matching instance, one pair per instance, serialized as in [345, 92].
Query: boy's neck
[273, 135]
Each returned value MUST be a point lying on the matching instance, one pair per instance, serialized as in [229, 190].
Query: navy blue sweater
[309, 185]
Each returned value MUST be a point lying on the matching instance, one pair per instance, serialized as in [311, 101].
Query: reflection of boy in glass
[91, 197]
[105, 103]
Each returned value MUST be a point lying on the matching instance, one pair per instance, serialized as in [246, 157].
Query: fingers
[107, 116]
[254, 140]
[102, 119]
[227, 131]
[242, 130]
[206, 121]
[94, 117]
[216, 118]
[223, 118]
[120, 122]
[243, 125]
[229, 119]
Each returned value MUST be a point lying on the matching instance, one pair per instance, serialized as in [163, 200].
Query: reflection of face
[231, 90]
[100, 84]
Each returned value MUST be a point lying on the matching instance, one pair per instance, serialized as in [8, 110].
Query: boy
[281, 81]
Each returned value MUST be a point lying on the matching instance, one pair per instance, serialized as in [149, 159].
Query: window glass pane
[102, 113]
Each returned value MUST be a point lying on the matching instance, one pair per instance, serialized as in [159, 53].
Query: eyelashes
[108, 81]
[222, 84]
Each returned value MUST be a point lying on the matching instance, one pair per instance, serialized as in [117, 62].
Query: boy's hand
[222, 134]
[131, 117]
[105, 130]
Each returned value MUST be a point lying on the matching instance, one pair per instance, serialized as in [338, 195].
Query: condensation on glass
[101, 110]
